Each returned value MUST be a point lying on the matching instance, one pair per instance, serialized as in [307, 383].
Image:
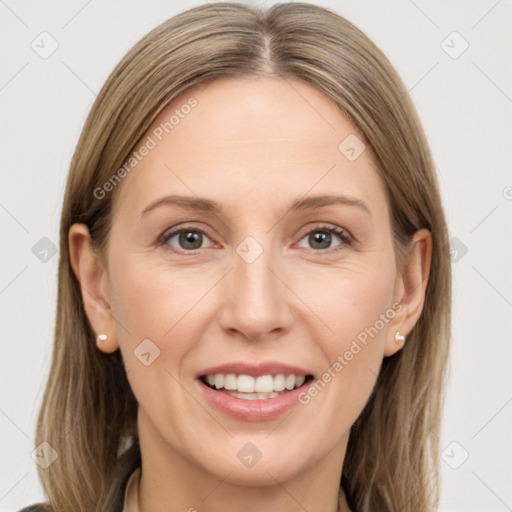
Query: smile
[248, 387]
[253, 392]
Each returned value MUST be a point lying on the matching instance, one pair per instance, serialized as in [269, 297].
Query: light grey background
[465, 104]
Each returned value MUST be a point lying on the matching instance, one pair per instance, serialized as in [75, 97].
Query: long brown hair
[88, 413]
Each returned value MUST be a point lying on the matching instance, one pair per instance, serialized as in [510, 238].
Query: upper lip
[255, 369]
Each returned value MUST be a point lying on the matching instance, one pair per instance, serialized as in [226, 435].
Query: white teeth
[245, 384]
[299, 381]
[252, 387]
[290, 382]
[230, 381]
[247, 396]
[219, 380]
[264, 384]
[253, 396]
[279, 382]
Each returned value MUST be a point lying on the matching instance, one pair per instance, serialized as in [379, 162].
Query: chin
[249, 467]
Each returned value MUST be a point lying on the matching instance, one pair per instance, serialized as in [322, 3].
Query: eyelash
[345, 237]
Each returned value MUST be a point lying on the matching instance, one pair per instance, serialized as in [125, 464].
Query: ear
[410, 287]
[93, 278]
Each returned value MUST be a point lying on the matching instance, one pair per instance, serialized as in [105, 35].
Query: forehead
[266, 137]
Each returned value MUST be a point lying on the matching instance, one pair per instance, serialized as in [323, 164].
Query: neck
[170, 481]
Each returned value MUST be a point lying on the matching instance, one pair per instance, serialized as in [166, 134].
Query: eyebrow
[209, 206]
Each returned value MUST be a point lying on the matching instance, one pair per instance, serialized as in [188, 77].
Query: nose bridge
[256, 304]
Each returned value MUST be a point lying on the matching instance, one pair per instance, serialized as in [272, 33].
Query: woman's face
[230, 258]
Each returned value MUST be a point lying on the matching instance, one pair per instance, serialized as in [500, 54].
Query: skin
[254, 145]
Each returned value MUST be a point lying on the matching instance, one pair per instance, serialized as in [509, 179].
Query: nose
[257, 303]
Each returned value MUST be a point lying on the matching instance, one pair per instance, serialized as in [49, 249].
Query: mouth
[253, 391]
[259, 387]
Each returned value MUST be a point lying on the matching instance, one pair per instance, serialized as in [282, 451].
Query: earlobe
[411, 285]
[105, 344]
[93, 279]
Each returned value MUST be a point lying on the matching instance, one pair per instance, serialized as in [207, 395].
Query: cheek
[362, 305]
[357, 308]
[348, 299]
[156, 318]
[151, 300]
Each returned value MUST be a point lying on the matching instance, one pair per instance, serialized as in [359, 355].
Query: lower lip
[251, 410]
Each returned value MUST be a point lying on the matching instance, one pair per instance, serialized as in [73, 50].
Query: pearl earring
[399, 338]
[101, 337]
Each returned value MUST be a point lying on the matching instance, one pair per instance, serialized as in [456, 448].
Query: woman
[254, 281]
